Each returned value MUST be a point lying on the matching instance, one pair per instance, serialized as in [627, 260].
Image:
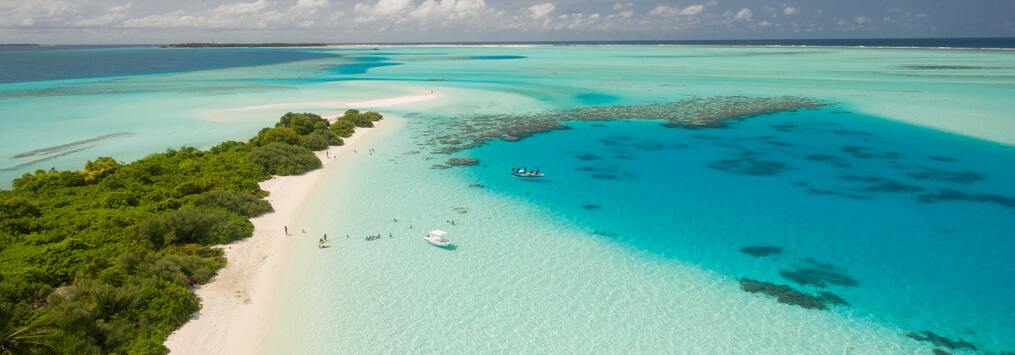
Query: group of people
[322, 242]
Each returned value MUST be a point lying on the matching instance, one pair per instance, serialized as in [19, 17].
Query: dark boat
[522, 172]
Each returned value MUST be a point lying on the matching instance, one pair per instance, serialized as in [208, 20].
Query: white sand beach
[385, 102]
[234, 303]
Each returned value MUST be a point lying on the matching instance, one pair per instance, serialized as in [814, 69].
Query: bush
[195, 225]
[284, 159]
[98, 169]
[315, 142]
[342, 128]
[374, 116]
[357, 119]
[236, 202]
[277, 135]
[302, 123]
[327, 136]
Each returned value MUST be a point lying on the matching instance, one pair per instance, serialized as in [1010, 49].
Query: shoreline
[236, 300]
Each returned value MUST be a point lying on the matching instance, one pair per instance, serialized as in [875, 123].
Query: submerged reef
[938, 340]
[788, 295]
[761, 250]
[453, 162]
[820, 277]
[953, 195]
[68, 146]
[697, 112]
[748, 164]
[56, 151]
[834, 160]
[880, 184]
[958, 177]
[587, 157]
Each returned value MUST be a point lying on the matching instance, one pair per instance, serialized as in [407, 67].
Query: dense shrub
[342, 128]
[277, 135]
[315, 142]
[195, 225]
[284, 159]
[320, 139]
[243, 204]
[357, 119]
[98, 169]
[302, 123]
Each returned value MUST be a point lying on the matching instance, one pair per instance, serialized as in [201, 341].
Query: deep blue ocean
[23, 64]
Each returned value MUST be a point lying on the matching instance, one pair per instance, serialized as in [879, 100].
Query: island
[105, 259]
[242, 45]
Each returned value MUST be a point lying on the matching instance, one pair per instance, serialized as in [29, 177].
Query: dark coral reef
[696, 112]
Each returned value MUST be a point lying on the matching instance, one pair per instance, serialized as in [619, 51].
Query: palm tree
[32, 338]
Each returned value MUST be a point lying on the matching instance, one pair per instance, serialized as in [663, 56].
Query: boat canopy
[437, 233]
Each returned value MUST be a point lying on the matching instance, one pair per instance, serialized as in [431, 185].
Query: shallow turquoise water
[632, 242]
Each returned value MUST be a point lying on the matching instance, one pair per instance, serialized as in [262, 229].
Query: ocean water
[645, 255]
[25, 64]
[148, 107]
[897, 197]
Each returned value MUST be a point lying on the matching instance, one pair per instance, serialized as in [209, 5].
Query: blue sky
[158, 21]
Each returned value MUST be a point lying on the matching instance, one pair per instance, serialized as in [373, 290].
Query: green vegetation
[358, 119]
[284, 159]
[98, 261]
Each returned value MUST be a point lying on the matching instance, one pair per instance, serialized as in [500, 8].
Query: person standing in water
[325, 236]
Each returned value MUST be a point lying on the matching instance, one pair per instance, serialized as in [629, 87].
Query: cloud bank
[153, 21]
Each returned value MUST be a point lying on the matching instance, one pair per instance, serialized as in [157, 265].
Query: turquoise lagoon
[898, 197]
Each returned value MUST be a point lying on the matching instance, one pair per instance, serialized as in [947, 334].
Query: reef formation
[788, 295]
[695, 112]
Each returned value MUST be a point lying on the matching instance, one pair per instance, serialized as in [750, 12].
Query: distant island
[18, 45]
[241, 45]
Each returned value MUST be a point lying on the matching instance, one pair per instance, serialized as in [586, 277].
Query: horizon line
[522, 41]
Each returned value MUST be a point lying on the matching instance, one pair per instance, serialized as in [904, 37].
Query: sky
[360, 21]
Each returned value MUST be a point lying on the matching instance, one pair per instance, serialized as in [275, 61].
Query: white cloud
[789, 10]
[448, 9]
[860, 20]
[693, 10]
[113, 15]
[310, 4]
[382, 7]
[241, 7]
[541, 10]
[744, 14]
[668, 11]
[259, 14]
[121, 8]
[578, 20]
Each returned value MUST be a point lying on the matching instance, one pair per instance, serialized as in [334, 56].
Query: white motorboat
[436, 237]
[525, 173]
